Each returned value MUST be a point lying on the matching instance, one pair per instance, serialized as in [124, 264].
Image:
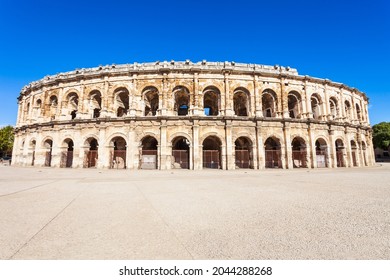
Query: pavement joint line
[41, 185]
[165, 222]
[59, 213]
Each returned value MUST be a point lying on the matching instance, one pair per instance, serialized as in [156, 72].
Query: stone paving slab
[48, 213]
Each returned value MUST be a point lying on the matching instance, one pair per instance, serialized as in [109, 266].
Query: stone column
[342, 105]
[332, 150]
[284, 99]
[229, 145]
[223, 157]
[366, 112]
[328, 115]
[164, 162]
[309, 114]
[258, 106]
[260, 146]
[197, 147]
[103, 153]
[311, 149]
[107, 109]
[162, 99]
[226, 99]
[353, 110]
[84, 104]
[18, 121]
[288, 148]
[196, 108]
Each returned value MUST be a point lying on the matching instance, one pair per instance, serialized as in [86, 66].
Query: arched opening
[211, 100]
[53, 101]
[358, 112]
[91, 155]
[354, 153]
[299, 153]
[73, 103]
[38, 107]
[272, 153]
[33, 145]
[121, 102]
[67, 155]
[321, 153]
[150, 95]
[95, 98]
[241, 102]
[334, 111]
[212, 152]
[294, 105]
[316, 106]
[27, 111]
[340, 153]
[364, 149]
[269, 103]
[348, 110]
[181, 152]
[118, 155]
[182, 100]
[243, 153]
[149, 153]
[48, 145]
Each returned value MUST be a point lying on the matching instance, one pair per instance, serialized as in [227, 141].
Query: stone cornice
[187, 66]
[200, 119]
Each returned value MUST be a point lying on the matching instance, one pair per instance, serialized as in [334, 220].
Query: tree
[381, 135]
[6, 140]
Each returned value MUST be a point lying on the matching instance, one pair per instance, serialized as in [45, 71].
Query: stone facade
[168, 115]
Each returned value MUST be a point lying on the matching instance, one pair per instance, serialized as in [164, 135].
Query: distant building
[382, 155]
[168, 115]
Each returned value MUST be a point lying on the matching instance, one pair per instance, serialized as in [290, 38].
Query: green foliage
[381, 135]
[6, 140]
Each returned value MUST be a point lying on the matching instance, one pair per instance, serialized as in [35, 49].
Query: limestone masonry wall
[168, 115]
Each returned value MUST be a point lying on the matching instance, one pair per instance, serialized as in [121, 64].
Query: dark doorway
[181, 153]
[272, 153]
[243, 153]
[149, 153]
[212, 153]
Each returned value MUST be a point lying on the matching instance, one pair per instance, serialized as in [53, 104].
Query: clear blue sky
[344, 41]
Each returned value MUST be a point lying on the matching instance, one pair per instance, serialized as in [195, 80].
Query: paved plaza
[49, 213]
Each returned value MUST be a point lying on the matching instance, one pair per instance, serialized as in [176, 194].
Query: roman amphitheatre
[186, 115]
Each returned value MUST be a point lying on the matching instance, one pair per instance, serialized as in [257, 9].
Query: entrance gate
[299, 158]
[321, 158]
[91, 158]
[118, 159]
[149, 159]
[48, 159]
[69, 159]
[272, 159]
[242, 159]
[181, 158]
[211, 159]
[354, 161]
[339, 158]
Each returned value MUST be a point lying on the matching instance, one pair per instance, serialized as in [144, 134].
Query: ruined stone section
[169, 115]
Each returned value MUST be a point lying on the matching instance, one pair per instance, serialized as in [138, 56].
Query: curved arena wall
[168, 115]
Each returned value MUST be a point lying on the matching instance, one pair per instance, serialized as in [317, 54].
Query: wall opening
[91, 155]
[118, 154]
[181, 152]
[243, 153]
[149, 153]
[299, 153]
[321, 153]
[340, 153]
[272, 153]
[212, 153]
